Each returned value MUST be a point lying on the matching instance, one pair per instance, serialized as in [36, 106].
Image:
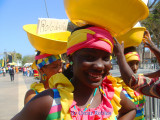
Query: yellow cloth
[78, 37]
[39, 87]
[116, 98]
[129, 90]
[132, 56]
[65, 89]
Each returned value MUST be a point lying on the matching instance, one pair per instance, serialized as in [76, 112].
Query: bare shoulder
[29, 95]
[37, 108]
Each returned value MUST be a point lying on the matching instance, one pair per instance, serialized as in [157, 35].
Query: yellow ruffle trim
[65, 89]
[129, 90]
[116, 98]
[39, 87]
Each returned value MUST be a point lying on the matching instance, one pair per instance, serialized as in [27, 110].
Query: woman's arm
[125, 70]
[38, 108]
[148, 43]
[153, 75]
[141, 84]
[128, 109]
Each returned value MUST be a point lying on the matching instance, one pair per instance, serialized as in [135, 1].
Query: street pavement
[116, 72]
[12, 93]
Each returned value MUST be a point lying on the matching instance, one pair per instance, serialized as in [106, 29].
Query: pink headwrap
[92, 37]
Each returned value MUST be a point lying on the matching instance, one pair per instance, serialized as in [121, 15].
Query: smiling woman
[91, 94]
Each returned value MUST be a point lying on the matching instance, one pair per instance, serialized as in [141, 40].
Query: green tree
[28, 59]
[18, 56]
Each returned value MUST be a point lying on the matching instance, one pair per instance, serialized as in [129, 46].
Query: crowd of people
[12, 70]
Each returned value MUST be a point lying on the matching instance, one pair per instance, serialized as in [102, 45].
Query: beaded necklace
[93, 97]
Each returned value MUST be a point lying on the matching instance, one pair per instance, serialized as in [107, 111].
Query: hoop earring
[44, 77]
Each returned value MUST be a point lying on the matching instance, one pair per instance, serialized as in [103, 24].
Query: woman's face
[51, 69]
[134, 65]
[90, 66]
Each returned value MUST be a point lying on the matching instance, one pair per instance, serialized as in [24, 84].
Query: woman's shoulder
[37, 108]
[41, 103]
[45, 94]
[29, 95]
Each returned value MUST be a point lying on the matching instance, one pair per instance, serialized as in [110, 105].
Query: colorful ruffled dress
[107, 110]
[37, 87]
[137, 98]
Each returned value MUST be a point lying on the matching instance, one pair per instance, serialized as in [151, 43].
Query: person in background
[46, 65]
[16, 69]
[11, 72]
[133, 58]
[145, 84]
[4, 71]
[24, 71]
[28, 72]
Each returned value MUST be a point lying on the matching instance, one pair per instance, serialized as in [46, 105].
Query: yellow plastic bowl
[133, 37]
[117, 16]
[54, 43]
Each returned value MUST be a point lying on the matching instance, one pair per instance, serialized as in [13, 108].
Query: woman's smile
[96, 77]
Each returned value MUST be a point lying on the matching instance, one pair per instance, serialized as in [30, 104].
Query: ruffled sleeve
[39, 87]
[116, 97]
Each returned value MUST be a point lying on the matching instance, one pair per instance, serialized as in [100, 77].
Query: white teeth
[94, 75]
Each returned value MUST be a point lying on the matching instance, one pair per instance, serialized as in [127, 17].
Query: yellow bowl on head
[53, 43]
[117, 16]
[133, 37]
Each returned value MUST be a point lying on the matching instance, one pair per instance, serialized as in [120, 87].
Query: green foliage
[28, 59]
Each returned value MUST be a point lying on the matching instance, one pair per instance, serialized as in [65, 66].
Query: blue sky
[16, 13]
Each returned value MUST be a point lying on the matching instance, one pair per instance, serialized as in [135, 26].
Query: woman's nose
[98, 64]
[135, 67]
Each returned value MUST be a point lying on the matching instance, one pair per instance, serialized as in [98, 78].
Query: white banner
[49, 25]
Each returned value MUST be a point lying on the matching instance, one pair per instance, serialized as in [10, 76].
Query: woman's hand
[118, 48]
[147, 40]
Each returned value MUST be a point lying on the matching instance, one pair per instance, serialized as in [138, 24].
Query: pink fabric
[94, 41]
[140, 105]
[42, 56]
[104, 110]
[136, 93]
[55, 109]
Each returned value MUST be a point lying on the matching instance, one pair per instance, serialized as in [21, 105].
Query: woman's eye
[106, 58]
[89, 57]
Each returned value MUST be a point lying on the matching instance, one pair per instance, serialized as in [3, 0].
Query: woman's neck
[83, 94]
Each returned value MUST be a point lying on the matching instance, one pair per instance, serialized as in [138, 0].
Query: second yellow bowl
[133, 37]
